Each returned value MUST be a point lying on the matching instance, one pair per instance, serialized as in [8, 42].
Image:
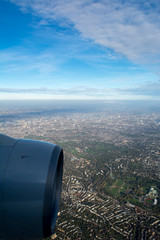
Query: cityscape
[111, 180]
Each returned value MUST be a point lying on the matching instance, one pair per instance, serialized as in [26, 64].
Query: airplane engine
[30, 188]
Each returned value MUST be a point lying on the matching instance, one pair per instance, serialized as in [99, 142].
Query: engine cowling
[30, 187]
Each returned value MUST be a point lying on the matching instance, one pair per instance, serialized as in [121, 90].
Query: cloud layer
[128, 27]
[150, 90]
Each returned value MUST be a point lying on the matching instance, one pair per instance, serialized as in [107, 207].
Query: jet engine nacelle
[30, 188]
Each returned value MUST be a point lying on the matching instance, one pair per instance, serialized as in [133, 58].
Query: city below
[111, 179]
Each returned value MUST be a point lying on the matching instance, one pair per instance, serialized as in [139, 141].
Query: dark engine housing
[30, 188]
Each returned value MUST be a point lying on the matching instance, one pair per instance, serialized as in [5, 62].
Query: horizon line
[106, 100]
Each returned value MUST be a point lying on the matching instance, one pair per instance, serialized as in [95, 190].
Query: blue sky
[80, 49]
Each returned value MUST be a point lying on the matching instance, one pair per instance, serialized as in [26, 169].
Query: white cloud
[80, 90]
[130, 28]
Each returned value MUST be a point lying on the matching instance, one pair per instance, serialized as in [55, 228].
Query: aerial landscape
[111, 180]
[85, 75]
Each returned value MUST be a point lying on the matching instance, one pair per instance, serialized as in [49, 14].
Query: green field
[117, 187]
